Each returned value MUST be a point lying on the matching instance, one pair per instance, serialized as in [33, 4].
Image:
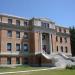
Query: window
[66, 50]
[17, 34]
[56, 38]
[17, 60]
[43, 37]
[61, 48]
[17, 22]
[60, 39]
[59, 29]
[9, 46]
[9, 21]
[26, 35]
[25, 60]
[57, 48]
[25, 47]
[17, 47]
[65, 40]
[9, 33]
[46, 25]
[25, 23]
[8, 60]
[64, 30]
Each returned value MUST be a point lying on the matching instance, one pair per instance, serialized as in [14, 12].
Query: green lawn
[46, 72]
[19, 68]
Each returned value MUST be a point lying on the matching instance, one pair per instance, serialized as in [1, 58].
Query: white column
[41, 41]
[50, 43]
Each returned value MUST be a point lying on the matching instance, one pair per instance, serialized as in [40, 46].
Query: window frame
[17, 60]
[26, 35]
[18, 47]
[9, 33]
[56, 38]
[18, 22]
[57, 49]
[9, 46]
[61, 48]
[17, 33]
[61, 40]
[8, 60]
[9, 21]
[27, 46]
[66, 49]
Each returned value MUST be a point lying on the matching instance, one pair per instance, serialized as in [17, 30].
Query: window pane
[26, 23]
[17, 34]
[8, 60]
[17, 22]
[64, 30]
[26, 35]
[59, 29]
[9, 46]
[65, 40]
[9, 21]
[9, 33]
[46, 25]
[25, 47]
[56, 38]
[66, 50]
[62, 48]
[17, 47]
[17, 60]
[60, 39]
[57, 48]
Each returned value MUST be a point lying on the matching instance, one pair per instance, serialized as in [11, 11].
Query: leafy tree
[72, 38]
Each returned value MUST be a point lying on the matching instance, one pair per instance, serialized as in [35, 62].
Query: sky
[60, 11]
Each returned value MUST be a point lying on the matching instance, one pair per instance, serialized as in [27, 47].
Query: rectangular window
[9, 46]
[66, 50]
[17, 60]
[56, 38]
[61, 48]
[25, 23]
[60, 39]
[25, 47]
[17, 34]
[9, 60]
[17, 22]
[25, 60]
[65, 40]
[43, 36]
[9, 21]
[17, 47]
[26, 35]
[57, 48]
[64, 30]
[9, 33]
[59, 29]
[46, 25]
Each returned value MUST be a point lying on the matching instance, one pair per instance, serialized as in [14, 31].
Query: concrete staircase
[59, 59]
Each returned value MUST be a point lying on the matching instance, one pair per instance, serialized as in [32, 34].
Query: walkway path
[27, 71]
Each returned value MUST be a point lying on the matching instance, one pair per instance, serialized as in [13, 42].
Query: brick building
[24, 41]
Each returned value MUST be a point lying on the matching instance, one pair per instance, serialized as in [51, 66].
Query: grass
[46, 72]
[18, 68]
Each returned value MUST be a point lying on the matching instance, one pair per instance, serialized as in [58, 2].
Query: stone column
[41, 41]
[50, 43]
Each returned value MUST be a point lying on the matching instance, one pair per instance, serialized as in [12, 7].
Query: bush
[70, 67]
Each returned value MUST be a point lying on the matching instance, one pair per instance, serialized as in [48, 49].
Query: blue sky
[60, 11]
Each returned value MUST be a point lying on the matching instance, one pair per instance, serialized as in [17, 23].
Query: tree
[72, 38]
